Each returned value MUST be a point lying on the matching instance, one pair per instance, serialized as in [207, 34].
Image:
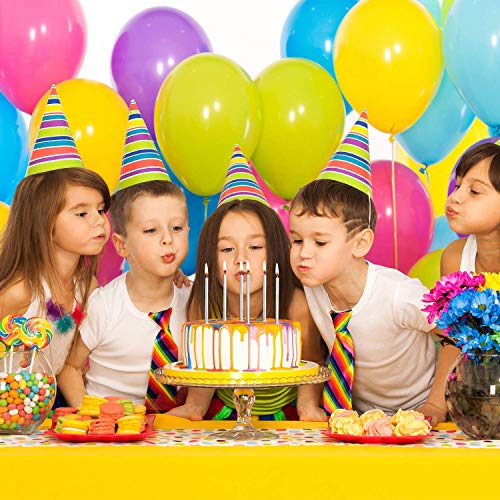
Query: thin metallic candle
[248, 292]
[206, 293]
[224, 292]
[264, 291]
[241, 290]
[277, 290]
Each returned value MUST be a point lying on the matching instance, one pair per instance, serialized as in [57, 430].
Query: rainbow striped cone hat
[350, 164]
[141, 161]
[54, 147]
[240, 183]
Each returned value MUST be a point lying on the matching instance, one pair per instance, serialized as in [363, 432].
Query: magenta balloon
[279, 205]
[110, 263]
[414, 216]
[148, 47]
[41, 42]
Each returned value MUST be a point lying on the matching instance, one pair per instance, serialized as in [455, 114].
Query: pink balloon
[279, 205]
[414, 216]
[110, 264]
[41, 42]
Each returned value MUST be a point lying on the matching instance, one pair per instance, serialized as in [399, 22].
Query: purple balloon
[148, 47]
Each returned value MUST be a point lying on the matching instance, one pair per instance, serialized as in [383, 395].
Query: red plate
[346, 438]
[106, 438]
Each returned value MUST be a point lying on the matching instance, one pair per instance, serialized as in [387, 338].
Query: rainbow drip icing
[238, 346]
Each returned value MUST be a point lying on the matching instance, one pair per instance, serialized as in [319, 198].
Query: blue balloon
[434, 9]
[13, 148]
[310, 29]
[443, 235]
[471, 45]
[199, 209]
[440, 128]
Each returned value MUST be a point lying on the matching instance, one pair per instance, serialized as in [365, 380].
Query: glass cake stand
[243, 384]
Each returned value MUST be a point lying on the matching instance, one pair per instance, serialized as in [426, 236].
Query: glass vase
[27, 391]
[473, 395]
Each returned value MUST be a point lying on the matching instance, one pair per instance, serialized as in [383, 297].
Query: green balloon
[205, 106]
[302, 123]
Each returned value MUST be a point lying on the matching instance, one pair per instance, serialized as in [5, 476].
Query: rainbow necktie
[337, 392]
[161, 398]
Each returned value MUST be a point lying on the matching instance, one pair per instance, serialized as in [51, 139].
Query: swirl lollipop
[11, 329]
[36, 334]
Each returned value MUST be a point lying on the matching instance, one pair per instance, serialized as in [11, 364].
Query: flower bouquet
[466, 307]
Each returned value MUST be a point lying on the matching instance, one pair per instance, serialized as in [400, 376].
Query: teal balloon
[443, 235]
[441, 127]
[13, 149]
[471, 46]
[434, 8]
[310, 29]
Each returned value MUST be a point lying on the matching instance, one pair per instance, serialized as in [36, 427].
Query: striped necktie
[161, 398]
[337, 392]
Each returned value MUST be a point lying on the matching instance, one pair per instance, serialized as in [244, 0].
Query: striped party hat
[241, 184]
[54, 147]
[141, 161]
[351, 162]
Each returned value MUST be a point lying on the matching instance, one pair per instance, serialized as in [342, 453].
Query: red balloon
[414, 216]
[41, 42]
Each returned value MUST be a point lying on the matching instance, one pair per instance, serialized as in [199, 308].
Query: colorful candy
[25, 400]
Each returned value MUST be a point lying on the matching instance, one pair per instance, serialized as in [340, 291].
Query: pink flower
[449, 286]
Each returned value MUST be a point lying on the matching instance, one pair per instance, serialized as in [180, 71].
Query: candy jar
[27, 381]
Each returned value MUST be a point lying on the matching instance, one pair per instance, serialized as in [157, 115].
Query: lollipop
[36, 334]
[11, 329]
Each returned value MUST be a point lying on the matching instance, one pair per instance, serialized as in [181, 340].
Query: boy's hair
[27, 242]
[122, 200]
[477, 154]
[277, 248]
[328, 198]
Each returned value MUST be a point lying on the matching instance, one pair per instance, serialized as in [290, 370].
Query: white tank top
[58, 349]
[468, 262]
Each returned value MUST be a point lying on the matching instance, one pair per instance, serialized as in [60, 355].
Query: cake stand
[243, 384]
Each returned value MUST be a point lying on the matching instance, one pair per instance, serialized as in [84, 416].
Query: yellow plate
[307, 373]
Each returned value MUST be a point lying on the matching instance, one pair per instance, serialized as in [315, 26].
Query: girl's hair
[477, 154]
[27, 243]
[277, 249]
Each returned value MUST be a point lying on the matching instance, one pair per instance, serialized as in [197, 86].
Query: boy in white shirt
[150, 220]
[332, 222]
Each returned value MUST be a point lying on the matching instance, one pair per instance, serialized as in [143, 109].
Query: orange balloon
[4, 215]
[97, 117]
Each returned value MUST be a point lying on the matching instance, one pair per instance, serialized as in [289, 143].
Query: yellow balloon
[205, 106]
[427, 269]
[447, 4]
[97, 117]
[388, 60]
[302, 124]
[4, 215]
[439, 174]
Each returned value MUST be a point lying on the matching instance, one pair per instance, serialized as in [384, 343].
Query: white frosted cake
[237, 346]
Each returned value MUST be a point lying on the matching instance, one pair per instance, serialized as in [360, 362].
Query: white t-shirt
[394, 356]
[121, 339]
[468, 261]
[57, 351]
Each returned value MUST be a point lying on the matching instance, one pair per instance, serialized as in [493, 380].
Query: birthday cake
[239, 346]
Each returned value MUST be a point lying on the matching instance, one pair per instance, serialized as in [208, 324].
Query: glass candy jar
[27, 391]
[473, 395]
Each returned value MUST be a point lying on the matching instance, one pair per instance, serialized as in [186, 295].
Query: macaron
[112, 410]
[102, 425]
[91, 405]
[75, 426]
[128, 406]
[129, 425]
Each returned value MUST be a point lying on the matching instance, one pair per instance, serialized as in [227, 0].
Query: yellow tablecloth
[238, 472]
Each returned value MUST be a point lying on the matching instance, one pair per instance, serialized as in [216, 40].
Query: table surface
[302, 462]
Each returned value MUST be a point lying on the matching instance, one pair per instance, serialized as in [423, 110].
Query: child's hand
[437, 413]
[186, 411]
[311, 414]
[181, 279]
